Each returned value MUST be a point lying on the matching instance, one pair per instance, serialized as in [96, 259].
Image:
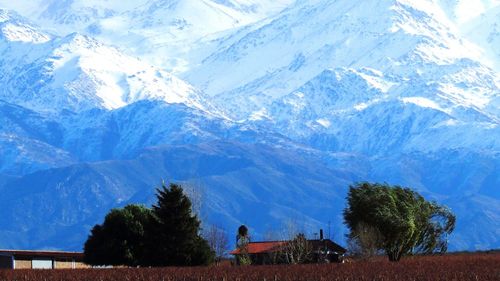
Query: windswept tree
[120, 239]
[401, 218]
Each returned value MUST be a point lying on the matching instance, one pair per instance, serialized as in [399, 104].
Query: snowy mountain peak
[164, 33]
[398, 91]
[411, 42]
[76, 72]
[7, 15]
[16, 29]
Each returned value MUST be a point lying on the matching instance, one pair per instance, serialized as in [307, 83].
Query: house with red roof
[276, 252]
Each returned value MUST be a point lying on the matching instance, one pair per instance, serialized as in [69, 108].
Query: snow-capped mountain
[48, 73]
[407, 60]
[404, 38]
[16, 29]
[163, 32]
[291, 102]
[57, 91]
[350, 108]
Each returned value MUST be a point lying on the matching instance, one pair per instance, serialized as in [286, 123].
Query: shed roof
[41, 254]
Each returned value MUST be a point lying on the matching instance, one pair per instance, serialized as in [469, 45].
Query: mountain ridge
[299, 103]
[85, 73]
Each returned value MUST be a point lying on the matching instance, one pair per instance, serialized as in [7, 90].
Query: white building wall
[42, 264]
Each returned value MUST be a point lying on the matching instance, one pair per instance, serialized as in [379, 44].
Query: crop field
[449, 267]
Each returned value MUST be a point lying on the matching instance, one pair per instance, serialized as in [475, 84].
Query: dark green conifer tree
[175, 233]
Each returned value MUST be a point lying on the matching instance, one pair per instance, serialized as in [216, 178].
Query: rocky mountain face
[278, 108]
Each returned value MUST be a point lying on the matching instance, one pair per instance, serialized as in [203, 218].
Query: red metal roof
[47, 254]
[261, 247]
[273, 246]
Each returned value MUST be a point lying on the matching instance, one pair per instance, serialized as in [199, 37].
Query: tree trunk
[394, 256]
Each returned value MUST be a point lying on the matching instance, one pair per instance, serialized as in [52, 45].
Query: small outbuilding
[20, 259]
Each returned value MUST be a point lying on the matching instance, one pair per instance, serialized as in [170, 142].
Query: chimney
[321, 234]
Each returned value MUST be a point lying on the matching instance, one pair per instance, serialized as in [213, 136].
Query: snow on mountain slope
[166, 33]
[385, 91]
[380, 87]
[124, 132]
[346, 110]
[78, 73]
[205, 16]
[411, 41]
[14, 28]
[173, 34]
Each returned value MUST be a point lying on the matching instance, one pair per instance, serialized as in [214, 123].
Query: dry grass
[450, 267]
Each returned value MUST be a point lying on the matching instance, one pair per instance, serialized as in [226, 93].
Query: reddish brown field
[449, 267]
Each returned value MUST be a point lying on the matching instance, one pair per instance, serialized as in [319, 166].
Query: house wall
[42, 263]
[81, 265]
[69, 264]
[22, 264]
[63, 264]
[27, 261]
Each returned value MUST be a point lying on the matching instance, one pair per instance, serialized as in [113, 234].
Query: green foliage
[167, 234]
[120, 239]
[406, 222]
[174, 238]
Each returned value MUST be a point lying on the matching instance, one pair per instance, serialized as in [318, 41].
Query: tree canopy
[167, 234]
[405, 221]
[120, 239]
